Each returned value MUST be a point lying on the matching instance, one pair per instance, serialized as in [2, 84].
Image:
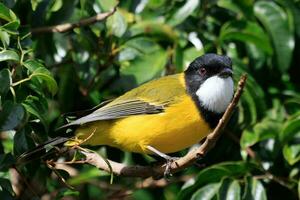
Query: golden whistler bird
[164, 115]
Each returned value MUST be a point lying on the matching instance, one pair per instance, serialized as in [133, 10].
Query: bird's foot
[169, 161]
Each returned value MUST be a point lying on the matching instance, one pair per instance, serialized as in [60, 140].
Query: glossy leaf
[229, 190]
[275, 21]
[35, 106]
[42, 74]
[207, 192]
[291, 152]
[261, 131]
[11, 27]
[215, 174]
[246, 31]
[254, 190]
[7, 55]
[6, 13]
[244, 7]
[182, 13]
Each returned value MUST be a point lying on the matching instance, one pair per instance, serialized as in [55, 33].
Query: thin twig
[61, 28]
[180, 164]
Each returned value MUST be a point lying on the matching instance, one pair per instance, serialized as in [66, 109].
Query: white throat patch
[216, 93]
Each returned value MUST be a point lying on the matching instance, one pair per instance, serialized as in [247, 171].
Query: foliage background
[43, 75]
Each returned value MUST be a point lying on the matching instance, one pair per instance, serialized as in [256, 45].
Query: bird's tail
[42, 150]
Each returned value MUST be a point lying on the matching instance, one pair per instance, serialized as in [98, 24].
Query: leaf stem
[21, 81]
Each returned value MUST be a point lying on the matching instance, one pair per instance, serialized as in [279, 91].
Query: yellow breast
[177, 128]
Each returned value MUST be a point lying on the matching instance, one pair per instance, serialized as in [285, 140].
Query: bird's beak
[226, 72]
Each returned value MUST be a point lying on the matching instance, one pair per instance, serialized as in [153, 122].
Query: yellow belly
[177, 128]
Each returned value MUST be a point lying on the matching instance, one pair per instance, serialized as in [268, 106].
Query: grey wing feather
[119, 110]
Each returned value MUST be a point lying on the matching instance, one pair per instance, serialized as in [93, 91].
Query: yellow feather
[178, 127]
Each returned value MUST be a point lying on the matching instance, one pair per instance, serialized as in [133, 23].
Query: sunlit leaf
[7, 55]
[207, 192]
[261, 131]
[254, 190]
[4, 36]
[117, 24]
[229, 190]
[215, 173]
[182, 13]
[6, 13]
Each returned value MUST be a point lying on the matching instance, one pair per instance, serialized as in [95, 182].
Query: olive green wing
[150, 98]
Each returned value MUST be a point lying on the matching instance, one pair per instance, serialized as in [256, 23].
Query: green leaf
[5, 80]
[142, 69]
[37, 107]
[241, 7]
[246, 32]
[290, 128]
[65, 193]
[117, 24]
[207, 192]
[6, 185]
[261, 131]
[229, 190]
[143, 45]
[159, 30]
[106, 5]
[11, 27]
[254, 190]
[38, 71]
[275, 21]
[182, 13]
[291, 152]
[44, 75]
[11, 116]
[4, 36]
[32, 65]
[6, 13]
[6, 55]
[22, 141]
[34, 4]
[215, 174]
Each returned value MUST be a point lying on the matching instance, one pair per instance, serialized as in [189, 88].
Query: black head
[206, 66]
[209, 83]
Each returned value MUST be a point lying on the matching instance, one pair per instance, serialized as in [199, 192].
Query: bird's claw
[169, 161]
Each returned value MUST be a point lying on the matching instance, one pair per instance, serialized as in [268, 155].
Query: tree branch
[180, 164]
[61, 28]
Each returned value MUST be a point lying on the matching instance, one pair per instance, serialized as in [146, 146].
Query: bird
[162, 116]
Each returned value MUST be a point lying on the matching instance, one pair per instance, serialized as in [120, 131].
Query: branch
[61, 28]
[180, 164]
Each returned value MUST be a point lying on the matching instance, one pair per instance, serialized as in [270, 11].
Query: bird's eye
[202, 71]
